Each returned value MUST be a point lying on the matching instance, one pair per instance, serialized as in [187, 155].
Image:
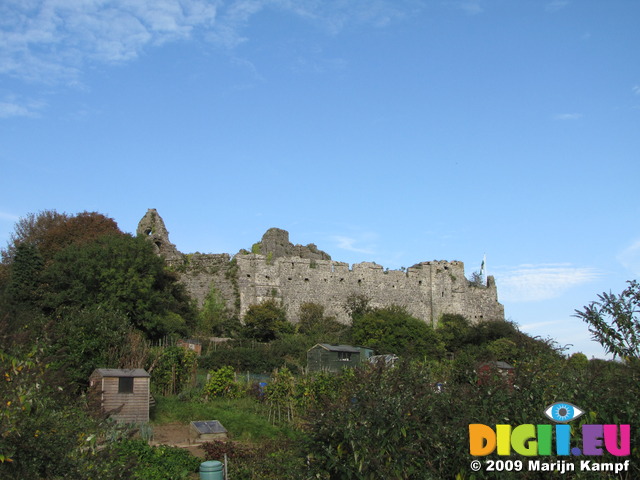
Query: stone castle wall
[297, 274]
[427, 290]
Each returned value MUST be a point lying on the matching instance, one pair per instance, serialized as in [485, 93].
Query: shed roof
[337, 348]
[120, 372]
[498, 364]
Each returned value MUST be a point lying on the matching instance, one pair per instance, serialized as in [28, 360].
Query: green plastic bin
[211, 470]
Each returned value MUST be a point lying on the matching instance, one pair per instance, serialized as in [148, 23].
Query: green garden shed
[326, 357]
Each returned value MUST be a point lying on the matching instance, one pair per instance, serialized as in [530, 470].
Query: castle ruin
[297, 274]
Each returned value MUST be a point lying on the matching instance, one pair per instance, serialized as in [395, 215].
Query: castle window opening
[419, 282]
[306, 279]
[289, 278]
[248, 275]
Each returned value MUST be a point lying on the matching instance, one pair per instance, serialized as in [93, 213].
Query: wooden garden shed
[123, 393]
[325, 357]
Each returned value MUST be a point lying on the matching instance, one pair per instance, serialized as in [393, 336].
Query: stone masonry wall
[427, 290]
[297, 274]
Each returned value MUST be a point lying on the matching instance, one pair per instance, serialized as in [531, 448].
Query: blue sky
[394, 131]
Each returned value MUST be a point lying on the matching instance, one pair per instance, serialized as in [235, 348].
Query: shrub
[222, 383]
[266, 321]
[157, 463]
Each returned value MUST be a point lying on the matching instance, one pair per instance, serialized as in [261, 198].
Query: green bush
[394, 330]
[266, 321]
[222, 383]
[392, 423]
[157, 463]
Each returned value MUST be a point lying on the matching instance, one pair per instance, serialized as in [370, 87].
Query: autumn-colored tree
[51, 232]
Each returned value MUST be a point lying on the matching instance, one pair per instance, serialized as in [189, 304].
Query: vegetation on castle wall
[232, 275]
[214, 318]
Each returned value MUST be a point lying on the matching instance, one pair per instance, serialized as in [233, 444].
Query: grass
[244, 418]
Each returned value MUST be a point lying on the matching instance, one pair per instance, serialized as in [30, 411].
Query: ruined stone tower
[297, 274]
[152, 227]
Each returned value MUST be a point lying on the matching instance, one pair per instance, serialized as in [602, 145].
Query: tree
[357, 305]
[266, 321]
[614, 321]
[30, 229]
[477, 279]
[393, 330]
[51, 231]
[121, 273]
[454, 330]
[215, 318]
[82, 340]
[23, 287]
[313, 322]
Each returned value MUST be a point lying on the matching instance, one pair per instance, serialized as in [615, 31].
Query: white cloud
[9, 217]
[470, 7]
[42, 39]
[53, 40]
[533, 283]
[556, 5]
[348, 243]
[567, 116]
[636, 89]
[12, 107]
[537, 325]
[630, 258]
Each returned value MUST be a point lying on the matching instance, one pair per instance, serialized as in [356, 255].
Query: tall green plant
[614, 321]
[222, 383]
[173, 370]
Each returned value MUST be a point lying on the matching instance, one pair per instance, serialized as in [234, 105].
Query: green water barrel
[211, 470]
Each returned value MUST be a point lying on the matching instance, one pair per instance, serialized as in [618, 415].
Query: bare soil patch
[177, 435]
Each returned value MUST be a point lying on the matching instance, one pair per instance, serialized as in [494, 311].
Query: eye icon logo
[563, 412]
